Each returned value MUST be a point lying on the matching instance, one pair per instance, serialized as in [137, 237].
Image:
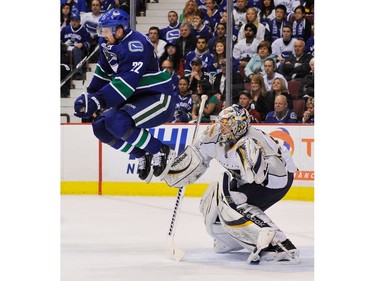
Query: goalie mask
[233, 122]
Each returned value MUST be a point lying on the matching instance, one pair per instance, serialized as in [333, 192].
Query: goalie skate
[283, 253]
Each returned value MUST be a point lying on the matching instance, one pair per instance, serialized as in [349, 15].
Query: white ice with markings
[113, 238]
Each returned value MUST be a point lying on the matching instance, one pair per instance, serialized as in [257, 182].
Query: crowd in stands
[272, 61]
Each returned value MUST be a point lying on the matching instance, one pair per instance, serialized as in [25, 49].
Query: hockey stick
[173, 252]
[78, 67]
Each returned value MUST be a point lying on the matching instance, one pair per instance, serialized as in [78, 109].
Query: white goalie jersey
[256, 157]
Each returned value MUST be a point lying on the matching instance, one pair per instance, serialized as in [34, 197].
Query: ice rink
[112, 238]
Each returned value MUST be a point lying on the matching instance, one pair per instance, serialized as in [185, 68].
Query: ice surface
[110, 238]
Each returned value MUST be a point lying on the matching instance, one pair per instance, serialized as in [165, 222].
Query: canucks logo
[110, 56]
[135, 46]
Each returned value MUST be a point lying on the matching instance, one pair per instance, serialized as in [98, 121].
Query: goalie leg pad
[186, 168]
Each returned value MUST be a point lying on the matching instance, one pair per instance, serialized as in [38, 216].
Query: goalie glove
[186, 168]
[93, 106]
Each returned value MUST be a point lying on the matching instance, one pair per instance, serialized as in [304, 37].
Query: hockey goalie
[259, 173]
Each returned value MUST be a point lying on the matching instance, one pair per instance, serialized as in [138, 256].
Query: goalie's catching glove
[93, 106]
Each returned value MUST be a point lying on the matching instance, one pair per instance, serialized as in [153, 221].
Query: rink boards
[90, 167]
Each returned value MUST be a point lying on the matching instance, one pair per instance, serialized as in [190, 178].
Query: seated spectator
[301, 26]
[172, 32]
[256, 63]
[281, 113]
[77, 7]
[65, 16]
[239, 16]
[258, 94]
[309, 46]
[306, 88]
[199, 28]
[247, 46]
[168, 66]
[283, 47]
[211, 14]
[245, 101]
[219, 53]
[289, 5]
[197, 74]
[201, 51]
[78, 41]
[190, 9]
[184, 102]
[187, 41]
[154, 34]
[262, 30]
[271, 74]
[308, 115]
[278, 88]
[297, 65]
[219, 84]
[276, 25]
[211, 105]
[90, 21]
[172, 53]
[267, 12]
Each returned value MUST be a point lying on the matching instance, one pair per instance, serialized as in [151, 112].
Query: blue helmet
[112, 19]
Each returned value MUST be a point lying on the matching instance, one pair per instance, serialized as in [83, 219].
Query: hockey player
[259, 174]
[134, 93]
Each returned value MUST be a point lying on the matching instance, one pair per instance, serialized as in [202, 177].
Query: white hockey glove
[186, 168]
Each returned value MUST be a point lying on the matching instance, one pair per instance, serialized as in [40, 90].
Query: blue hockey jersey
[128, 69]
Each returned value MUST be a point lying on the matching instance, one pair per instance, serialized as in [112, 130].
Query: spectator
[77, 7]
[187, 41]
[239, 15]
[247, 46]
[197, 74]
[276, 25]
[271, 74]
[301, 26]
[281, 113]
[90, 21]
[256, 63]
[220, 35]
[290, 5]
[201, 51]
[211, 14]
[278, 88]
[199, 28]
[201, 4]
[283, 47]
[172, 53]
[267, 12]
[184, 102]
[78, 41]
[308, 115]
[262, 32]
[190, 9]
[258, 94]
[172, 32]
[309, 46]
[154, 35]
[306, 88]
[297, 65]
[168, 66]
[65, 15]
[223, 20]
[211, 106]
[219, 84]
[245, 101]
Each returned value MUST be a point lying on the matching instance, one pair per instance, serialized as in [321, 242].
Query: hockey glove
[92, 107]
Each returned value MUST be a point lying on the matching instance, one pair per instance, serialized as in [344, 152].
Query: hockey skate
[162, 161]
[284, 253]
[145, 169]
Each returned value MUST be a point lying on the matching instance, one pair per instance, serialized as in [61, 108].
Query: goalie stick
[173, 252]
[78, 67]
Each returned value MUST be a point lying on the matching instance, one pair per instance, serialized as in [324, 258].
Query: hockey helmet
[233, 123]
[112, 19]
